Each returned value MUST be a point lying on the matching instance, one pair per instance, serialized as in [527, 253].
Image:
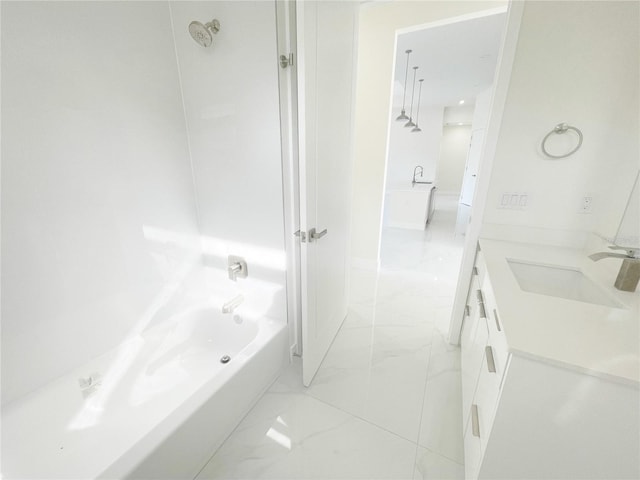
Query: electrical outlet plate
[586, 204]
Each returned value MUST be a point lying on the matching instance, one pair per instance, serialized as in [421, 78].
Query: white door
[326, 33]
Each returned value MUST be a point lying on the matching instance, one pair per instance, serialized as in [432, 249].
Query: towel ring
[559, 129]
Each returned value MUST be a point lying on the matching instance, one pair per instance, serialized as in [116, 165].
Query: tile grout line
[424, 394]
[399, 269]
[310, 395]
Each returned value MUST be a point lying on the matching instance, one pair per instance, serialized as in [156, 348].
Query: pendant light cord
[419, 95]
[406, 74]
[413, 92]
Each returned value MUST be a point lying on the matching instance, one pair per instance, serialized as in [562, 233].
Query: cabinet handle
[483, 313]
[495, 315]
[475, 424]
[475, 270]
[491, 364]
[467, 310]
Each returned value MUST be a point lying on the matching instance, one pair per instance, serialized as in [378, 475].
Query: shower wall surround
[94, 151]
[232, 112]
[99, 210]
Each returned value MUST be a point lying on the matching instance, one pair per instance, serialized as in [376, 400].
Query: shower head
[203, 34]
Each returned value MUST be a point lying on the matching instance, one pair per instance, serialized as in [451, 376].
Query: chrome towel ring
[560, 129]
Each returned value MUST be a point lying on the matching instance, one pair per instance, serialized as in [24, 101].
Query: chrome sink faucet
[629, 274]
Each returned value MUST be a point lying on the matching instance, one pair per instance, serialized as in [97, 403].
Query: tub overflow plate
[225, 359]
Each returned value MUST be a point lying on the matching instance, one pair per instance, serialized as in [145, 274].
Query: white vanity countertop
[597, 339]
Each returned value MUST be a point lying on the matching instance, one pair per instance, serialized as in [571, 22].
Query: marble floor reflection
[386, 402]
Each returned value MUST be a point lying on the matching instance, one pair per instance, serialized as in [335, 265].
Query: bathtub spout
[232, 304]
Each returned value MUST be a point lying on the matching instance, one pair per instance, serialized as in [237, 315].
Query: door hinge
[286, 61]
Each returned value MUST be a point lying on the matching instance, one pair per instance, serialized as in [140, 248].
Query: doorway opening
[443, 82]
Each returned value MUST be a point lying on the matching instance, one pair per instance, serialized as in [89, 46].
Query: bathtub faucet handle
[237, 267]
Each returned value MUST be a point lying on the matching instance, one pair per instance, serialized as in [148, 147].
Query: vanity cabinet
[484, 356]
[527, 417]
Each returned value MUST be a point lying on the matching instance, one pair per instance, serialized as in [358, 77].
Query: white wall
[408, 149]
[378, 24]
[481, 110]
[94, 157]
[453, 157]
[231, 102]
[459, 114]
[576, 62]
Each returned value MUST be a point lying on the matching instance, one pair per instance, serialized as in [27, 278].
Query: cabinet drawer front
[497, 336]
[499, 345]
[486, 398]
[470, 321]
[480, 268]
[472, 452]
[471, 363]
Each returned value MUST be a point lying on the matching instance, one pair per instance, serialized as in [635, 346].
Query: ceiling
[457, 61]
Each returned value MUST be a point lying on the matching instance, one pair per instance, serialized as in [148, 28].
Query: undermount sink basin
[557, 281]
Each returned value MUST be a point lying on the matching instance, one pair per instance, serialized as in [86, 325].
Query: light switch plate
[514, 200]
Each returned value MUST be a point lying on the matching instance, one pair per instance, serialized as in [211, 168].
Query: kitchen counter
[596, 339]
[408, 206]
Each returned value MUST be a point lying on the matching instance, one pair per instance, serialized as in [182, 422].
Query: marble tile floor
[386, 402]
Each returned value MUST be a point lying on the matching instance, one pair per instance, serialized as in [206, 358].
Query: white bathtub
[162, 405]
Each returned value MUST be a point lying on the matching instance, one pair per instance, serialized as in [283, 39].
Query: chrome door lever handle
[317, 235]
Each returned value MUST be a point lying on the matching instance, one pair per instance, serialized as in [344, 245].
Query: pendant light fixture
[403, 115]
[413, 93]
[417, 128]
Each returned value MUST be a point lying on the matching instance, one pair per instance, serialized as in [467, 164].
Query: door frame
[288, 93]
[502, 80]
[410, 29]
[514, 11]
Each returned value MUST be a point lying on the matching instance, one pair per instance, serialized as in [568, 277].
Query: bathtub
[156, 407]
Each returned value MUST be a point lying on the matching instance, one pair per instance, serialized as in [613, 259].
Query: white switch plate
[514, 200]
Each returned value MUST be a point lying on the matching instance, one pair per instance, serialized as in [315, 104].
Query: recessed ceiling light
[460, 123]
[460, 102]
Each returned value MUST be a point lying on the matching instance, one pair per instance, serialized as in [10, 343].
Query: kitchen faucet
[415, 171]
[418, 167]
